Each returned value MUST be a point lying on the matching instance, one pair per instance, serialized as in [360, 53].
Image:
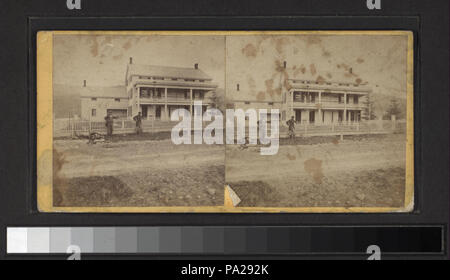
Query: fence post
[153, 124]
[393, 122]
[72, 128]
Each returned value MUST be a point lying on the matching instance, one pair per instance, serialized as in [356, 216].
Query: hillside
[66, 101]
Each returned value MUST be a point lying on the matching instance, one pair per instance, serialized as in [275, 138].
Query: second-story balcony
[327, 105]
[171, 100]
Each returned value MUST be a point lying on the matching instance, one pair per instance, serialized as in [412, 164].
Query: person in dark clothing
[138, 120]
[109, 123]
[291, 125]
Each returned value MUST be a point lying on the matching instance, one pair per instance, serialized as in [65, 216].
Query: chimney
[196, 65]
[284, 64]
[131, 60]
[84, 83]
[237, 87]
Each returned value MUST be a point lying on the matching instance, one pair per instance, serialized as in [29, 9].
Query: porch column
[166, 113]
[345, 108]
[138, 101]
[292, 104]
[320, 108]
[190, 106]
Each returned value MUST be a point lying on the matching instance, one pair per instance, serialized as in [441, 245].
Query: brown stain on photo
[360, 60]
[280, 43]
[59, 182]
[312, 40]
[326, 53]
[320, 80]
[251, 83]
[94, 46]
[291, 157]
[261, 96]
[117, 57]
[106, 41]
[286, 83]
[312, 69]
[314, 168]
[303, 69]
[127, 45]
[283, 76]
[250, 50]
[269, 87]
[269, 84]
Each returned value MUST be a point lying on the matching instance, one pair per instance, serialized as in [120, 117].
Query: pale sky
[378, 60]
[102, 60]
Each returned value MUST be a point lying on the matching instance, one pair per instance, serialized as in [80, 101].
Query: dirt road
[138, 173]
[83, 160]
[369, 172]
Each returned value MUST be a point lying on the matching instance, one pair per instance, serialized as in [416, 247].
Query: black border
[18, 109]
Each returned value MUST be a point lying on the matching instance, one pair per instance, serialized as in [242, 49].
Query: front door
[158, 112]
[298, 115]
[144, 111]
[312, 116]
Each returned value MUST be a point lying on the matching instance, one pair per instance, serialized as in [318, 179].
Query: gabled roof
[104, 92]
[166, 72]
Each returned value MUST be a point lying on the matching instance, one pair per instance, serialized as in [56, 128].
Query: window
[117, 99]
[247, 102]
[118, 113]
[174, 79]
[270, 103]
[355, 100]
[94, 112]
[93, 99]
[302, 97]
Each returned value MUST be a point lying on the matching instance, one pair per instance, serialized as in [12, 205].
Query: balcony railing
[173, 99]
[325, 104]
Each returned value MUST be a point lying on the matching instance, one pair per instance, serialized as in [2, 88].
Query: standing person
[138, 120]
[291, 125]
[109, 123]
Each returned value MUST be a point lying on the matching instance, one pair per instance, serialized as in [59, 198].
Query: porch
[326, 116]
[164, 111]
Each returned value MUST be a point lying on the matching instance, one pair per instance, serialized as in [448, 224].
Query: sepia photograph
[342, 102]
[248, 121]
[112, 101]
